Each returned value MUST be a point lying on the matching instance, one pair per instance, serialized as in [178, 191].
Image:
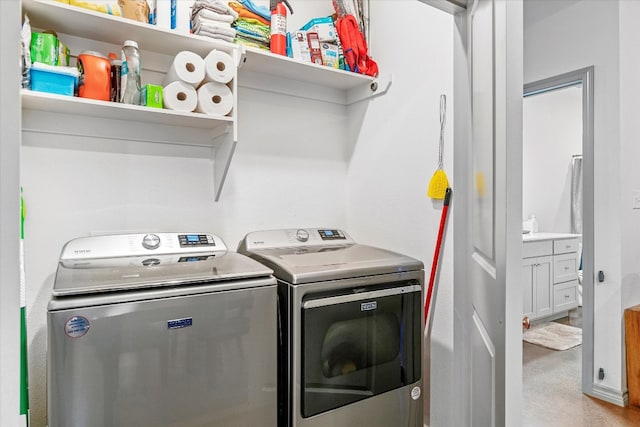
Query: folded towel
[216, 36]
[212, 27]
[243, 12]
[252, 36]
[258, 10]
[248, 42]
[258, 31]
[213, 16]
[216, 6]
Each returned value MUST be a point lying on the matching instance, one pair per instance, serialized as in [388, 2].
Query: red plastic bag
[354, 47]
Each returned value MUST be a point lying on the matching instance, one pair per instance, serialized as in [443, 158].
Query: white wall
[629, 151]
[552, 134]
[318, 175]
[395, 155]
[566, 35]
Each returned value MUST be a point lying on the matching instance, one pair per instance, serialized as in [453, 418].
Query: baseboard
[610, 395]
[550, 318]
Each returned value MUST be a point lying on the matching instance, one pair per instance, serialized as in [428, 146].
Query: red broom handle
[436, 255]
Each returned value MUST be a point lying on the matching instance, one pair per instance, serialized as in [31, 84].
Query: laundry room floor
[552, 393]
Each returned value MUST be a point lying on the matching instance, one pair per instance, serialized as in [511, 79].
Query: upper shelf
[260, 69]
[85, 23]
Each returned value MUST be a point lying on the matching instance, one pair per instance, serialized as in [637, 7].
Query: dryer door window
[358, 345]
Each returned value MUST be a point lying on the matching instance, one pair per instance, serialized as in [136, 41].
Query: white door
[487, 205]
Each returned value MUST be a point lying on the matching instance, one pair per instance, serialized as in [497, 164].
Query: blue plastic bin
[54, 79]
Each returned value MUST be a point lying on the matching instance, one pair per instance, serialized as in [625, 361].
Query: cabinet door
[528, 295]
[543, 286]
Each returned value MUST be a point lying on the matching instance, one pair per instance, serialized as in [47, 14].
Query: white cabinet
[47, 113]
[537, 287]
[550, 271]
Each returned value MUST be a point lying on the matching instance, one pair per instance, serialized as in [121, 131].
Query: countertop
[534, 237]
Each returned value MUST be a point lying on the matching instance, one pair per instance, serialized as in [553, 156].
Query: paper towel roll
[218, 67]
[179, 96]
[186, 66]
[215, 99]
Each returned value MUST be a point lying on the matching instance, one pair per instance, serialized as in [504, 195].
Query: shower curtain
[576, 211]
[576, 195]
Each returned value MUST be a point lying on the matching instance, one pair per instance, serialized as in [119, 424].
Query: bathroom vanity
[550, 264]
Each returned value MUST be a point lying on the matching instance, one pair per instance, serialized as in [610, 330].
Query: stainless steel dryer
[161, 330]
[351, 318]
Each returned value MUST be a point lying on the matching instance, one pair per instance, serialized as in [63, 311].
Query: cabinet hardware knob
[525, 322]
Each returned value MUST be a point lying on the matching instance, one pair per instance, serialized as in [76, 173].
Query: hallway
[552, 395]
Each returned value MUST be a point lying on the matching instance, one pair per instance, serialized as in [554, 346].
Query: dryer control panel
[125, 245]
[295, 237]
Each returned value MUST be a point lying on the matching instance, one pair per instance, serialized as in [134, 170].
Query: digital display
[331, 235]
[195, 258]
[196, 239]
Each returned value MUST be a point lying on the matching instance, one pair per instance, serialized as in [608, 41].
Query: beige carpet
[553, 335]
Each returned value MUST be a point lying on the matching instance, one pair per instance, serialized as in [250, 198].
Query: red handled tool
[436, 255]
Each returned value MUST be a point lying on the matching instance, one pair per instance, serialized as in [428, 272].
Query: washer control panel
[295, 237]
[124, 245]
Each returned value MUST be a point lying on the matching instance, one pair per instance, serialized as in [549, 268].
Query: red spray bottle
[278, 40]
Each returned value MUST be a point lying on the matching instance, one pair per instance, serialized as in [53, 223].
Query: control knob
[151, 241]
[302, 235]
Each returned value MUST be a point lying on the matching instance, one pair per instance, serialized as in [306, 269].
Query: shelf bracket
[225, 147]
[378, 87]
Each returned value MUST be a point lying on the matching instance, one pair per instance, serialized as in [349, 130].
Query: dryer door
[358, 345]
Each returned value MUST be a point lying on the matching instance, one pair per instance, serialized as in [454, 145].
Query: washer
[167, 329]
[351, 318]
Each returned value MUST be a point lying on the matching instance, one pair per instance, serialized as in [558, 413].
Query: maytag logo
[82, 251]
[366, 306]
[179, 323]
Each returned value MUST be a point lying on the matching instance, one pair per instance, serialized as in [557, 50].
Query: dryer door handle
[339, 299]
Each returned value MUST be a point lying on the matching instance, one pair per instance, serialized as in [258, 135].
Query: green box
[151, 96]
[44, 48]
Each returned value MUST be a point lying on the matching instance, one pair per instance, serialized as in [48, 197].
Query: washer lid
[161, 260]
[320, 263]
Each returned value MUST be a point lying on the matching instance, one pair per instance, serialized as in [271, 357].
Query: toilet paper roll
[215, 99]
[186, 66]
[179, 96]
[218, 67]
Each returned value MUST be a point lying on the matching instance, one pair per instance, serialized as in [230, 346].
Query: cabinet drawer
[565, 296]
[541, 248]
[565, 246]
[565, 267]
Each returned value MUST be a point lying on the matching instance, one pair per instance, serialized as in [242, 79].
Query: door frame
[584, 76]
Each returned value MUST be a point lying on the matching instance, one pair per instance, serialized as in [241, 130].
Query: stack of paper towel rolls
[196, 84]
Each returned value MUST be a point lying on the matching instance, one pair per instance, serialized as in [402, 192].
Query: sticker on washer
[415, 393]
[77, 326]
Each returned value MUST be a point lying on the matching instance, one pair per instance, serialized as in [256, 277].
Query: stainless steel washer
[351, 318]
[163, 329]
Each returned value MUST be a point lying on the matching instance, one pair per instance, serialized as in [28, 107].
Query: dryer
[351, 317]
[166, 329]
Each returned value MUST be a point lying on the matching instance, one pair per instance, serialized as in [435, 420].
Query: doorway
[558, 181]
